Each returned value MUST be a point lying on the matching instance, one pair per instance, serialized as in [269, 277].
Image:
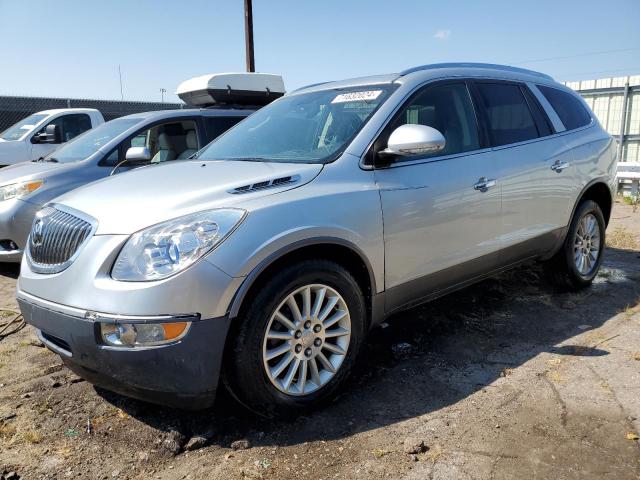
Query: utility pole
[162, 92]
[120, 75]
[248, 35]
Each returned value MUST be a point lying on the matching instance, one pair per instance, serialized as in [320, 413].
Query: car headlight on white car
[17, 190]
[169, 247]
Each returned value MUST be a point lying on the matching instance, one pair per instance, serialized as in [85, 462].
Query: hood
[24, 171]
[13, 151]
[132, 201]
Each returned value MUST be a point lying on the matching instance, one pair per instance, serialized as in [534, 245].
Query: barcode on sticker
[357, 96]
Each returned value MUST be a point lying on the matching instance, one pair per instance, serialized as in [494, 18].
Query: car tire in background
[298, 339]
[577, 263]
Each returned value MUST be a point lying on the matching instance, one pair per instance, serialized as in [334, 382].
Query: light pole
[162, 92]
[248, 35]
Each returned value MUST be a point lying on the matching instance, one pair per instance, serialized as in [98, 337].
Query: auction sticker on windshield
[357, 96]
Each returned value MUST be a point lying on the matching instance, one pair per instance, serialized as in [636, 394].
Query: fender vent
[276, 182]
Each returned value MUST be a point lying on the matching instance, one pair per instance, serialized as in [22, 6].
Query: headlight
[169, 247]
[17, 190]
[142, 334]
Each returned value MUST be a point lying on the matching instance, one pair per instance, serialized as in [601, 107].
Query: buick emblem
[36, 232]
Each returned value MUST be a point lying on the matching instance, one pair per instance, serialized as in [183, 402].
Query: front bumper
[16, 217]
[183, 374]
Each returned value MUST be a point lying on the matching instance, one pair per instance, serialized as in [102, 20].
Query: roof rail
[230, 106]
[309, 86]
[491, 66]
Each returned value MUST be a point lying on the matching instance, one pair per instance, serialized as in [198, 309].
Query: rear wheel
[578, 261]
[298, 340]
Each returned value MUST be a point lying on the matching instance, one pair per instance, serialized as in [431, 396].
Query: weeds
[435, 453]
[65, 450]
[621, 238]
[7, 431]
[379, 453]
[32, 436]
[44, 407]
[633, 200]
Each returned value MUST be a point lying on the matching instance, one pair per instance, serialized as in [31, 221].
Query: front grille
[55, 237]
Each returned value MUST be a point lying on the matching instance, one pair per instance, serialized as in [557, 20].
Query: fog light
[142, 334]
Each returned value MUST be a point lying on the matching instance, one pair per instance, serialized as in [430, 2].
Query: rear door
[536, 168]
[442, 212]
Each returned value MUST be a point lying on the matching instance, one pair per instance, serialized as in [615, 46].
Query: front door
[442, 213]
[68, 127]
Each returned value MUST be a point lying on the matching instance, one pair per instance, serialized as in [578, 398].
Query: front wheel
[298, 340]
[578, 261]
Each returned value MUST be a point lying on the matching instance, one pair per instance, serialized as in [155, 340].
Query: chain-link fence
[13, 109]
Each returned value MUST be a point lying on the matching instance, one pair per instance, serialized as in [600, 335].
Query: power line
[587, 54]
[597, 72]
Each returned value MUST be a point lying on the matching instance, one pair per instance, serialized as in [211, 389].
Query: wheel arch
[339, 250]
[597, 190]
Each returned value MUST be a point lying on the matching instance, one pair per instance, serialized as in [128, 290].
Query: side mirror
[414, 140]
[51, 134]
[138, 154]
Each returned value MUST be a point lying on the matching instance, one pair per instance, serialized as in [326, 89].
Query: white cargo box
[231, 88]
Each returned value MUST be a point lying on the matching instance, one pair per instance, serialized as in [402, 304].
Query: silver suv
[267, 259]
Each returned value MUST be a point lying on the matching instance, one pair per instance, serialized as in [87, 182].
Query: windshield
[24, 126]
[306, 128]
[89, 142]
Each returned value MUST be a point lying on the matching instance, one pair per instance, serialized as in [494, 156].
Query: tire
[254, 379]
[563, 267]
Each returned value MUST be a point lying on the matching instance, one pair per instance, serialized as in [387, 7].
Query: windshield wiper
[249, 159]
[44, 159]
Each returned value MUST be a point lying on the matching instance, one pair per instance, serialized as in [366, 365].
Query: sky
[72, 48]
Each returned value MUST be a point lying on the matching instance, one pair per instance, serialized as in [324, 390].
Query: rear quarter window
[570, 110]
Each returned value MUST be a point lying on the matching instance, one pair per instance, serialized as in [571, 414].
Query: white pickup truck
[41, 133]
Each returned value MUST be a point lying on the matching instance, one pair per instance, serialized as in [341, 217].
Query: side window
[570, 110]
[69, 126]
[140, 140]
[507, 114]
[448, 109]
[111, 160]
[174, 140]
[74, 124]
[58, 123]
[216, 126]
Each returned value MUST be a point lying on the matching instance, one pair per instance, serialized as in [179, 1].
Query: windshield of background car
[24, 126]
[310, 127]
[89, 142]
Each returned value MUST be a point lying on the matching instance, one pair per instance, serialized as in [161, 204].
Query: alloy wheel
[586, 245]
[306, 339]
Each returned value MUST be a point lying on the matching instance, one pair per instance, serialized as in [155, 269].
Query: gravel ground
[505, 379]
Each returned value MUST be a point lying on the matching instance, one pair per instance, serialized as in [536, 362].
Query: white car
[41, 133]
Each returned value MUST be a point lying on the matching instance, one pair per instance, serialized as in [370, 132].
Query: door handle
[559, 166]
[484, 184]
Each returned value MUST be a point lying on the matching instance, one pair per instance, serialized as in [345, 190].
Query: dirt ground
[505, 379]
